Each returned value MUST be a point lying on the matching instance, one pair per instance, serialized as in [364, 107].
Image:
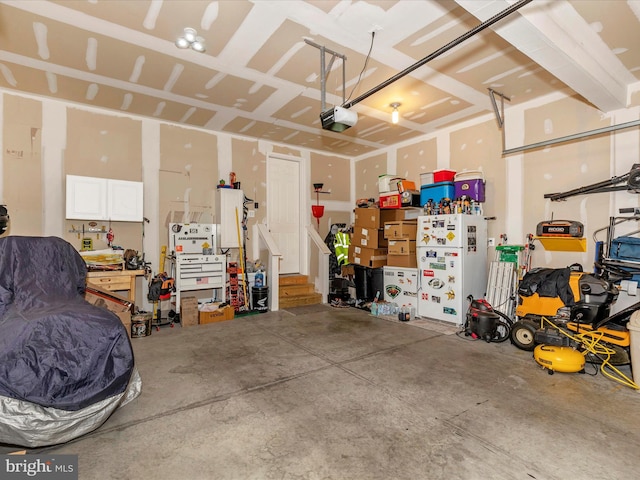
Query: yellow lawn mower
[570, 308]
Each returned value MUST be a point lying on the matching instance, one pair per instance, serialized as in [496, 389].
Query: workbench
[116, 280]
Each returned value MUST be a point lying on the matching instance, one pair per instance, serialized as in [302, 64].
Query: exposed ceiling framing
[260, 79]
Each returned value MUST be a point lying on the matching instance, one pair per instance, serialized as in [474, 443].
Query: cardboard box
[400, 215]
[188, 311]
[407, 261]
[368, 237]
[367, 257]
[398, 230]
[402, 246]
[367, 218]
[112, 302]
[390, 200]
[109, 300]
[376, 218]
[125, 318]
[220, 315]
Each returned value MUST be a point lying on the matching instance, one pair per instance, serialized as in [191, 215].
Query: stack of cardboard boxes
[368, 246]
[374, 231]
[402, 243]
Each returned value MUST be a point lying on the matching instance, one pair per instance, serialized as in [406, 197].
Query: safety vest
[341, 245]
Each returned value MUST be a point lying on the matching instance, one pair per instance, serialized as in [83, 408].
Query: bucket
[141, 325]
[634, 331]
[260, 299]
[317, 210]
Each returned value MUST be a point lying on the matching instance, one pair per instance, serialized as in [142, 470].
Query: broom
[245, 277]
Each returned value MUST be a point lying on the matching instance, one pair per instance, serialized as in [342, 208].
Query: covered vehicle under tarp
[65, 365]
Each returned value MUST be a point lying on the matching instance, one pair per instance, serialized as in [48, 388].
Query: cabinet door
[86, 198]
[124, 201]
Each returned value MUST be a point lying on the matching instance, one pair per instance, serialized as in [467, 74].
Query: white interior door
[283, 197]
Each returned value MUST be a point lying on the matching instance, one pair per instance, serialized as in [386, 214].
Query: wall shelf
[88, 232]
[563, 244]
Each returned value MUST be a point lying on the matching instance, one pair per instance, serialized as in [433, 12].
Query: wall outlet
[492, 242]
[252, 213]
[256, 205]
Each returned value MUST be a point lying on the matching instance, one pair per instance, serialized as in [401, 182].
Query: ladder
[501, 287]
[504, 274]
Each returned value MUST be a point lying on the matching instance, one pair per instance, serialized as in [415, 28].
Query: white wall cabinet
[227, 201]
[90, 198]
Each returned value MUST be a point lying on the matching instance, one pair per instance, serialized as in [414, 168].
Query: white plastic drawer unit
[201, 271]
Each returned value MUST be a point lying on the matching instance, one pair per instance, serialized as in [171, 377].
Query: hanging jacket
[329, 241]
[548, 282]
[341, 245]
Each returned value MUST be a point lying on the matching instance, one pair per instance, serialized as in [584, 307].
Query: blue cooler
[436, 192]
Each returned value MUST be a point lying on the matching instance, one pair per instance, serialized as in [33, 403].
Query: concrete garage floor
[324, 393]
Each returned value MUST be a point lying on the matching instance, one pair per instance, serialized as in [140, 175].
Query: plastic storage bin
[474, 189]
[388, 183]
[436, 192]
[426, 178]
[634, 330]
[443, 175]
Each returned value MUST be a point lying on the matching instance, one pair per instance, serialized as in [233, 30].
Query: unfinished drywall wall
[22, 165]
[417, 158]
[564, 167]
[249, 164]
[104, 146]
[250, 167]
[334, 173]
[477, 148]
[367, 173]
[188, 177]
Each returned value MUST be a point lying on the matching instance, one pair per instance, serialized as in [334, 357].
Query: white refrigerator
[401, 286]
[452, 264]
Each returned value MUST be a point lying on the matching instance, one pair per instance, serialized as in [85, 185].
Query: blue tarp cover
[56, 349]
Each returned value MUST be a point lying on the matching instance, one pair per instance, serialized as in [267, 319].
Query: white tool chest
[200, 272]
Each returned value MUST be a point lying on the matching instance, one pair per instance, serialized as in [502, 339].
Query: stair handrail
[321, 285]
[273, 265]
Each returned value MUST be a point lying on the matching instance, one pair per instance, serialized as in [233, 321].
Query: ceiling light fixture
[190, 39]
[395, 114]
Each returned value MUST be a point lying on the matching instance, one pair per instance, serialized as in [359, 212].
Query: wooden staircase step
[294, 279]
[300, 300]
[297, 289]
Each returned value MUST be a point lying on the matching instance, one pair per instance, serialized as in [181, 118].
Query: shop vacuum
[484, 323]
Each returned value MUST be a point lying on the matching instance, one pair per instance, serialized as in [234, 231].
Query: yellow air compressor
[559, 359]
